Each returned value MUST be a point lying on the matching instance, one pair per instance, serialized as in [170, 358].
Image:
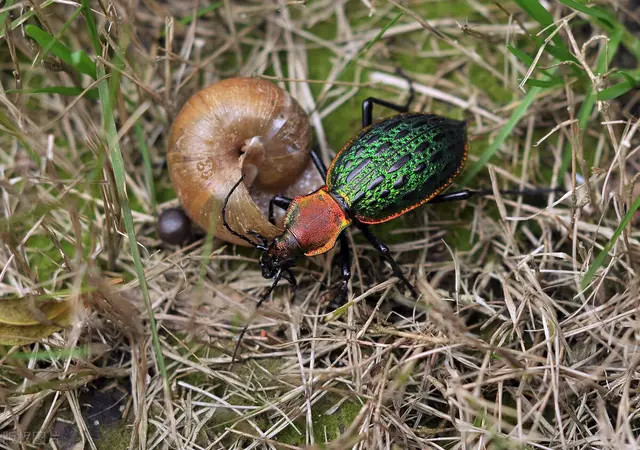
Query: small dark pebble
[174, 227]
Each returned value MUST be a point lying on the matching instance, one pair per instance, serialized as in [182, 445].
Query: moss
[335, 424]
[114, 437]
[326, 427]
[223, 418]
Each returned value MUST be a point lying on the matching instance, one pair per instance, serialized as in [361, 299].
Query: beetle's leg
[384, 250]
[453, 196]
[266, 295]
[345, 261]
[367, 104]
[467, 194]
[318, 162]
[367, 109]
[280, 202]
[288, 275]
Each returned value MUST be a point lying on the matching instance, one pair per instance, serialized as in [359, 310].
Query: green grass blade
[528, 60]
[555, 81]
[378, 36]
[561, 54]
[79, 60]
[117, 164]
[614, 91]
[557, 49]
[91, 27]
[517, 114]
[632, 81]
[606, 19]
[599, 261]
[617, 90]
[522, 56]
[627, 76]
[538, 13]
[4, 15]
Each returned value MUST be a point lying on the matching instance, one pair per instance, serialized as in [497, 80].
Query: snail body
[240, 127]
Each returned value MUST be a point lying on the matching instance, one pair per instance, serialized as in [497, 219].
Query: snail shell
[236, 127]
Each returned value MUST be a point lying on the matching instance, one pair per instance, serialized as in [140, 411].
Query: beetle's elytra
[397, 165]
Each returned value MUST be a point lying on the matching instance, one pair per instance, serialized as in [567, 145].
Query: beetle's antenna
[244, 330]
[226, 225]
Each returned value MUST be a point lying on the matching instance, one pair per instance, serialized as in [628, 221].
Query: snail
[240, 128]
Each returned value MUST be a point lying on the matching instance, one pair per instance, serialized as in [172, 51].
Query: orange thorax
[316, 220]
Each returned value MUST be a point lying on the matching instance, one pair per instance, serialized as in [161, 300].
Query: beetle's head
[281, 254]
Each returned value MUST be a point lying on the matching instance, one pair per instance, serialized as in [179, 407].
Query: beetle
[391, 167]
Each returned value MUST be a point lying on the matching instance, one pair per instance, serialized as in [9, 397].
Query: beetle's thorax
[315, 221]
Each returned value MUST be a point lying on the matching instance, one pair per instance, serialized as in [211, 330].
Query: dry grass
[504, 349]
